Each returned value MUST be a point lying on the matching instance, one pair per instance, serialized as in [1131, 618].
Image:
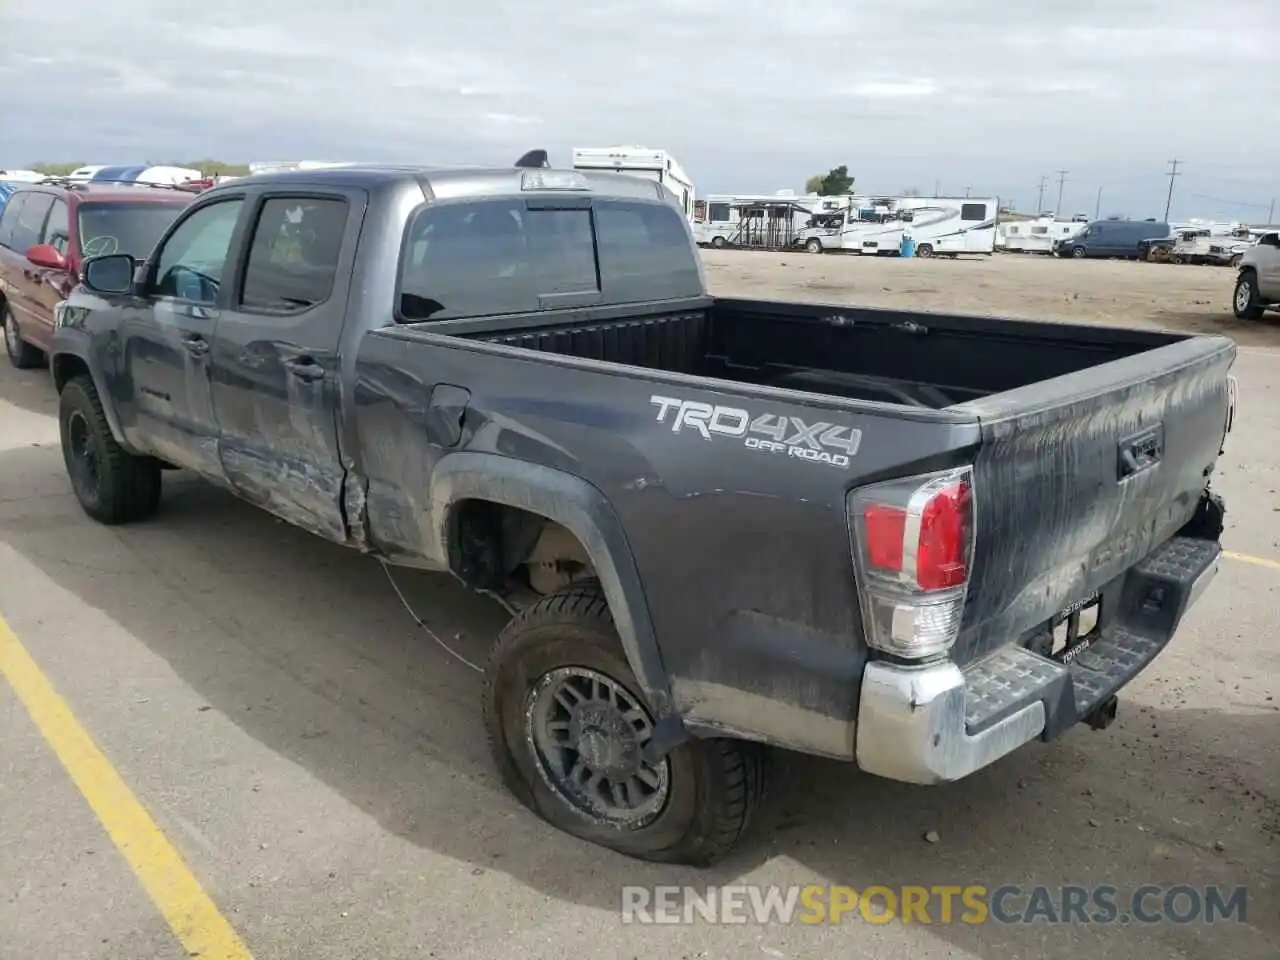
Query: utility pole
[966, 190]
[1271, 212]
[1062, 178]
[937, 188]
[1173, 172]
[1097, 206]
[1040, 197]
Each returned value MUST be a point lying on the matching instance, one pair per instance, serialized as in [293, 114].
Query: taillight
[913, 547]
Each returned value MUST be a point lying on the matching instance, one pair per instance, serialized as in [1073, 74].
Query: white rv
[718, 218]
[640, 162]
[1038, 235]
[940, 226]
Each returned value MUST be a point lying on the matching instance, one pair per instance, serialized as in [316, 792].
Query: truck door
[23, 285]
[49, 285]
[276, 359]
[160, 381]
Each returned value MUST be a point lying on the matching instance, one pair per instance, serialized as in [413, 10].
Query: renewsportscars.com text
[938, 904]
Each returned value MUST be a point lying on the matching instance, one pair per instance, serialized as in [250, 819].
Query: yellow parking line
[188, 910]
[1256, 561]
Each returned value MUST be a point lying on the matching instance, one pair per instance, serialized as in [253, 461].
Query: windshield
[131, 228]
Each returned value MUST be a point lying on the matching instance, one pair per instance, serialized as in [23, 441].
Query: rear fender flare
[584, 511]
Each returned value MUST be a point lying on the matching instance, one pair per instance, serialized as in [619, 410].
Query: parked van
[1111, 238]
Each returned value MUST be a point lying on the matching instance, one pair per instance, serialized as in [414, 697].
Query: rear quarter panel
[744, 554]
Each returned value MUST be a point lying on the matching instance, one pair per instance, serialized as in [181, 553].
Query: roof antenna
[534, 158]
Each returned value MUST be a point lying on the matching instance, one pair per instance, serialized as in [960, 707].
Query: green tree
[55, 169]
[834, 183]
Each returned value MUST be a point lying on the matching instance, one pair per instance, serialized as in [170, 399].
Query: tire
[21, 354]
[719, 243]
[925, 250]
[112, 485]
[1246, 301]
[702, 794]
[1078, 253]
[814, 245]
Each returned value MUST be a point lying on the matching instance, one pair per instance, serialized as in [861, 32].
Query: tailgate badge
[1140, 452]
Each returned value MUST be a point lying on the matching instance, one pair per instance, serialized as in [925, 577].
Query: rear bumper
[939, 722]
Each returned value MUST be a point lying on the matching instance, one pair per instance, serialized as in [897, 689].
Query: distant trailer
[1038, 235]
[640, 162]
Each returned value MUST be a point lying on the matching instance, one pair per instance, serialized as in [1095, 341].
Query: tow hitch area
[1104, 715]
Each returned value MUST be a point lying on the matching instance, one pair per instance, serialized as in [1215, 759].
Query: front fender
[71, 353]
[584, 511]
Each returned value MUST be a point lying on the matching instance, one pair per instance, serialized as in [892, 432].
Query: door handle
[196, 346]
[304, 368]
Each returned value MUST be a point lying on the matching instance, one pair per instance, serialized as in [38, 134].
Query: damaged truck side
[912, 541]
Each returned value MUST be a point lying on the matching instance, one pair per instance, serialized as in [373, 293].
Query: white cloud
[752, 96]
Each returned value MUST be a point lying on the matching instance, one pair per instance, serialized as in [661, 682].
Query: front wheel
[814, 246]
[112, 485]
[719, 242]
[21, 354]
[925, 250]
[1078, 253]
[568, 728]
[1246, 302]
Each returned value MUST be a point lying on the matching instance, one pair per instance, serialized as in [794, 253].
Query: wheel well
[493, 544]
[65, 367]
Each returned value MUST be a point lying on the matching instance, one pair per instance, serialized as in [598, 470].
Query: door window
[12, 210]
[30, 222]
[57, 229]
[191, 262]
[294, 256]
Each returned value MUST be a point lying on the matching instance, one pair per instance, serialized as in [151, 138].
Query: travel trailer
[640, 162]
[939, 226]
[1038, 235]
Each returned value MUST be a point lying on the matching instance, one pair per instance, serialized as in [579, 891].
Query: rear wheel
[814, 245]
[1246, 302]
[21, 354]
[925, 250]
[568, 728]
[112, 485]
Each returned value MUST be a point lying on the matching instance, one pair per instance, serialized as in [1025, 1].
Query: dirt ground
[1195, 299]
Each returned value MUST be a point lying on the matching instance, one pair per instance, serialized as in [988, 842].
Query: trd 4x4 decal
[818, 442]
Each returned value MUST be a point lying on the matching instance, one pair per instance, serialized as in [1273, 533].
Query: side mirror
[47, 256]
[109, 274]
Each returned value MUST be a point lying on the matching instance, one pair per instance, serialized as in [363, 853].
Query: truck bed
[889, 356]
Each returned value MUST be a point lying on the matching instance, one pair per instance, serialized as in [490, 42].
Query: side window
[973, 211]
[57, 229]
[9, 220]
[30, 222]
[293, 259]
[719, 212]
[189, 265]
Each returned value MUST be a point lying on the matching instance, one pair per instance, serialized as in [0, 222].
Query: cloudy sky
[751, 96]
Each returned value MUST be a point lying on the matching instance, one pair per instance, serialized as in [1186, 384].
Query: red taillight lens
[940, 555]
[885, 528]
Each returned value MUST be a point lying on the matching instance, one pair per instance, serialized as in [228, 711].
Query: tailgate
[1080, 477]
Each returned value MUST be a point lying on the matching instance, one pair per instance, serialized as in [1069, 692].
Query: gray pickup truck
[913, 541]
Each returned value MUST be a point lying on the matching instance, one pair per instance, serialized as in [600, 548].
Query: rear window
[132, 228]
[492, 257]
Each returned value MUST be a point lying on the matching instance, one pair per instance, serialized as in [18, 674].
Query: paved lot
[319, 764]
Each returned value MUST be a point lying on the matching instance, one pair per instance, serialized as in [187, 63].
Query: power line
[1173, 172]
[1062, 179]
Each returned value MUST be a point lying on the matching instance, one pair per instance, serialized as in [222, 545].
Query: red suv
[49, 229]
